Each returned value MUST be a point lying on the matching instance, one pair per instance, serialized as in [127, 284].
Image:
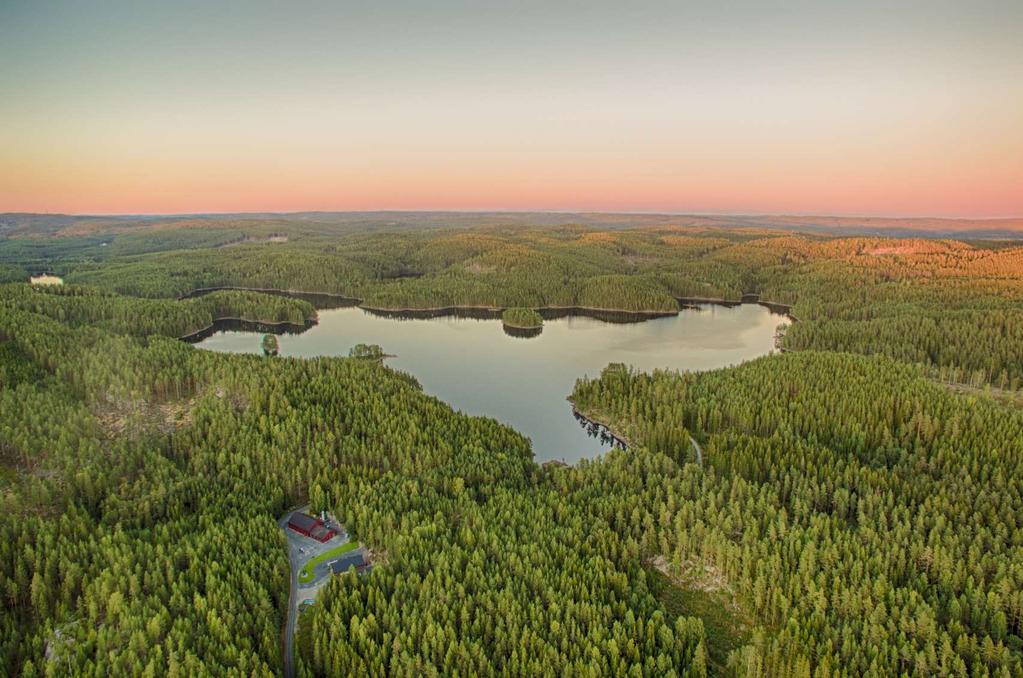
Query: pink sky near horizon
[111, 189]
[866, 110]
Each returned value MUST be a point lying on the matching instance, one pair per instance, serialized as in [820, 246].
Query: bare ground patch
[140, 416]
[479, 268]
[701, 590]
[913, 248]
[698, 576]
[376, 557]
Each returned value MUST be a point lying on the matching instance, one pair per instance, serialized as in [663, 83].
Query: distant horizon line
[651, 213]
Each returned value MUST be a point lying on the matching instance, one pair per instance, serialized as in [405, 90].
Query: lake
[477, 368]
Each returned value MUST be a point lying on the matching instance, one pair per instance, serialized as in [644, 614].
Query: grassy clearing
[1003, 396]
[305, 575]
[726, 630]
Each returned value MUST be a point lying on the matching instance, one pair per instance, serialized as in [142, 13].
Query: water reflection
[597, 430]
[475, 366]
[522, 332]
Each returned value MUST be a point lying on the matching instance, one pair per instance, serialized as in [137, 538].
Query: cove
[473, 365]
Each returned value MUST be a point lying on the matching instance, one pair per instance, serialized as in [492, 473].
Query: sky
[898, 108]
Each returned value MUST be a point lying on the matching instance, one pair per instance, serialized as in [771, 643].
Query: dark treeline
[78, 306]
[12, 273]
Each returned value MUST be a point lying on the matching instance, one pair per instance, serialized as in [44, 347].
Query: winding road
[301, 550]
[289, 633]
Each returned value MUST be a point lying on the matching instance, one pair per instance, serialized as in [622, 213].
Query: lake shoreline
[521, 331]
[604, 427]
[556, 311]
[477, 368]
[248, 324]
[494, 312]
[773, 306]
[521, 327]
[471, 311]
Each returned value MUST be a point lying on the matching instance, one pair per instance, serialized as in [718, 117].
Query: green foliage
[78, 306]
[269, 344]
[12, 273]
[366, 352]
[949, 305]
[15, 367]
[869, 515]
[864, 519]
[723, 622]
[172, 274]
[519, 582]
[159, 551]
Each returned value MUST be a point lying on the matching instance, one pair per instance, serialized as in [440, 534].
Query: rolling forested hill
[855, 509]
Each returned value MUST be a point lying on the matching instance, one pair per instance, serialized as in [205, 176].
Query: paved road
[300, 550]
[289, 633]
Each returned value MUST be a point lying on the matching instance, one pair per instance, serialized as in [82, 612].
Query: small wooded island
[368, 352]
[522, 322]
[270, 346]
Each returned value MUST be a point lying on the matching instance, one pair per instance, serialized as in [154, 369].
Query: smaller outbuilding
[356, 559]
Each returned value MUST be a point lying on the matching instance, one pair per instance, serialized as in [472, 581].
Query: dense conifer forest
[850, 512]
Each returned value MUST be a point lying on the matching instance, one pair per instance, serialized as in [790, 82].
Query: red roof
[303, 522]
[309, 526]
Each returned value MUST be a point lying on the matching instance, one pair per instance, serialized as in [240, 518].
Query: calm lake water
[476, 368]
